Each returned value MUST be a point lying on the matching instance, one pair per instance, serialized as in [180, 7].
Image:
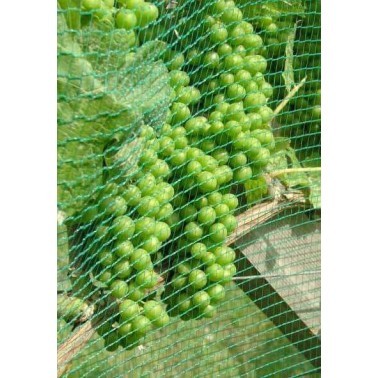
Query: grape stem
[281, 172]
[289, 96]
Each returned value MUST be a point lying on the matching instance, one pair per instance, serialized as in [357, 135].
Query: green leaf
[315, 189]
[123, 162]
[294, 179]
[288, 73]
[284, 7]
[72, 12]
[63, 282]
[97, 101]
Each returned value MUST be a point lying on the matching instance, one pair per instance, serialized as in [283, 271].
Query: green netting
[188, 188]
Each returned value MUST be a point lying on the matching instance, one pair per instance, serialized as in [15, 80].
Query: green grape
[238, 160]
[206, 216]
[122, 269]
[146, 13]
[208, 258]
[167, 146]
[123, 228]
[254, 148]
[161, 321]
[146, 279]
[180, 113]
[207, 182]
[224, 255]
[141, 325]
[106, 277]
[152, 310]
[106, 258]
[176, 61]
[233, 62]
[262, 158]
[124, 329]
[266, 89]
[221, 156]
[148, 157]
[119, 289]
[146, 184]
[218, 232]
[216, 128]
[242, 77]
[140, 259]
[209, 311]
[179, 281]
[196, 126]
[183, 303]
[243, 174]
[217, 293]
[145, 227]
[90, 4]
[152, 244]
[254, 101]
[113, 206]
[148, 206]
[161, 168]
[265, 137]
[221, 210]
[208, 146]
[214, 198]
[188, 213]
[266, 114]
[231, 268]
[198, 250]
[256, 120]
[208, 163]
[130, 4]
[230, 223]
[181, 143]
[193, 231]
[128, 309]
[193, 168]
[165, 212]
[214, 273]
[232, 15]
[254, 64]
[199, 202]
[241, 50]
[178, 79]
[218, 33]
[201, 299]
[236, 92]
[188, 95]
[197, 279]
[252, 42]
[230, 200]
[135, 293]
[163, 192]
[125, 19]
[162, 231]
[184, 267]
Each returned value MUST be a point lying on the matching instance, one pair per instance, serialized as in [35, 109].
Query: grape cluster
[171, 219]
[301, 120]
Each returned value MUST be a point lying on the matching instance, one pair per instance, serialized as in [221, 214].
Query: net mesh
[188, 188]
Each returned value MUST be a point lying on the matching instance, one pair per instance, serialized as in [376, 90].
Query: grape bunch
[301, 120]
[157, 239]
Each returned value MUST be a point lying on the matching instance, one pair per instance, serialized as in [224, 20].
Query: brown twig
[289, 96]
[68, 350]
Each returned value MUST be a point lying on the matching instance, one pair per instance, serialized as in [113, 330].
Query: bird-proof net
[188, 188]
